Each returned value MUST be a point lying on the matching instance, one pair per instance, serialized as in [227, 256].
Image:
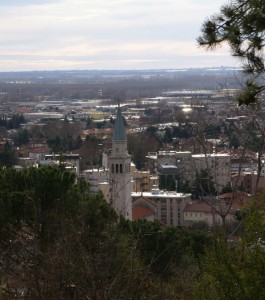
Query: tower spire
[119, 129]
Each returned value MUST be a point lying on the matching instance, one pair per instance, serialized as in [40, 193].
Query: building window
[121, 171]
[117, 168]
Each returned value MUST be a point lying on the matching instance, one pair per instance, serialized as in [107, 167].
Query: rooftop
[141, 211]
[156, 193]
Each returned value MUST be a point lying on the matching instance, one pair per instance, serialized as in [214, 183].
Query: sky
[106, 34]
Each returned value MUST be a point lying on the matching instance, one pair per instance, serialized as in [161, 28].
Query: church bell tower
[119, 163]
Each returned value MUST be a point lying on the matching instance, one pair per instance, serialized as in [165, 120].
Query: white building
[70, 160]
[119, 163]
[42, 115]
[95, 177]
[218, 166]
[169, 205]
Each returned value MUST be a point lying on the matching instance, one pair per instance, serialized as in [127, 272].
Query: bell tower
[119, 163]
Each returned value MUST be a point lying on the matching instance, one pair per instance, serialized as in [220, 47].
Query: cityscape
[132, 150]
[167, 147]
[188, 138]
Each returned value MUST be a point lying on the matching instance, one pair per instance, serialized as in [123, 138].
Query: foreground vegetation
[58, 241]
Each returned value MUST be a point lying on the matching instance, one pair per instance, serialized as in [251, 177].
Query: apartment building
[169, 205]
[95, 177]
[143, 181]
[218, 166]
[70, 160]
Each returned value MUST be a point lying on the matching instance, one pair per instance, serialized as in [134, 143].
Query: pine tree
[241, 24]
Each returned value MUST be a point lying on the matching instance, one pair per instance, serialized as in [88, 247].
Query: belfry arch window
[121, 171]
[117, 168]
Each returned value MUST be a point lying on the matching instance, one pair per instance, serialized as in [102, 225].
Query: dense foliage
[8, 156]
[70, 243]
[59, 241]
[12, 123]
[235, 269]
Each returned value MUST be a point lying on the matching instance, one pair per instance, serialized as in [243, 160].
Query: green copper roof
[119, 129]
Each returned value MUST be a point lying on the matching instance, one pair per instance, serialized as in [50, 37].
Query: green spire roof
[119, 129]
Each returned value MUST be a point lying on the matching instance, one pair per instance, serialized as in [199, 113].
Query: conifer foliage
[59, 241]
[241, 24]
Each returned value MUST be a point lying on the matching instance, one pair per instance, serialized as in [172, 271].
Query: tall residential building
[119, 162]
[168, 206]
[217, 164]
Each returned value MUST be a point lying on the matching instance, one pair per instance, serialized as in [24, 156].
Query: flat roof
[212, 155]
[160, 194]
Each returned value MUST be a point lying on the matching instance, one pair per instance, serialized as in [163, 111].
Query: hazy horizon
[106, 35]
[150, 70]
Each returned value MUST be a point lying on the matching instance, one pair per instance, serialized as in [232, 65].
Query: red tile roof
[197, 207]
[141, 211]
[206, 208]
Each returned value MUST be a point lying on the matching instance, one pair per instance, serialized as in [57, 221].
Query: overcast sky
[105, 34]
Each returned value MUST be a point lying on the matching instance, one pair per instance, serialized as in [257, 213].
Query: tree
[55, 144]
[88, 122]
[15, 121]
[11, 200]
[139, 150]
[71, 244]
[168, 135]
[235, 269]
[78, 143]
[234, 141]
[212, 131]
[22, 137]
[8, 156]
[204, 185]
[151, 130]
[90, 151]
[3, 121]
[241, 24]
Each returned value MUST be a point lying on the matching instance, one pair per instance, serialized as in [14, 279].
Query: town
[132, 150]
[155, 148]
